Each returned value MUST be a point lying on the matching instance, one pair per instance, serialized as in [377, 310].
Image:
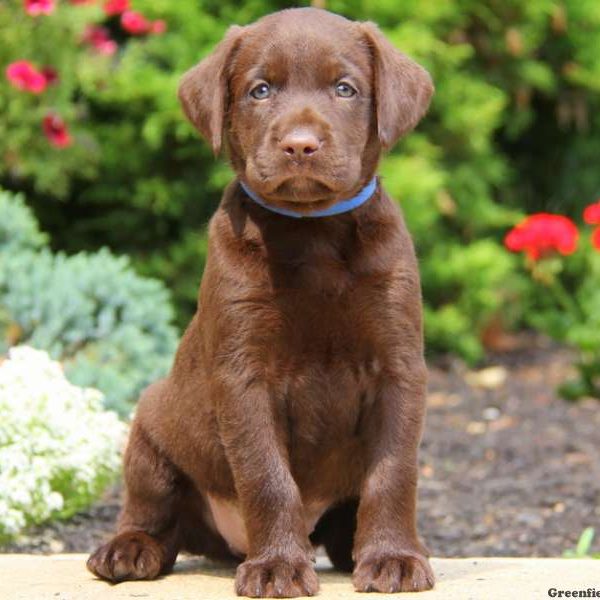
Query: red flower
[99, 38]
[39, 7]
[50, 75]
[115, 7]
[541, 234]
[24, 76]
[596, 239]
[591, 214]
[56, 131]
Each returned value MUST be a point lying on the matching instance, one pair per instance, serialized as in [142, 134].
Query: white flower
[58, 447]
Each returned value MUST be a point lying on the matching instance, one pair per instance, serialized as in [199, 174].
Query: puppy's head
[305, 100]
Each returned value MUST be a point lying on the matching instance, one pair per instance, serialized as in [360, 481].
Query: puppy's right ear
[203, 91]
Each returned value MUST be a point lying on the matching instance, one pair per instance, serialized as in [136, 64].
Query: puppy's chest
[323, 314]
[328, 323]
[326, 347]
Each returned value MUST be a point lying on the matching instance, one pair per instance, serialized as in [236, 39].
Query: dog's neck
[335, 209]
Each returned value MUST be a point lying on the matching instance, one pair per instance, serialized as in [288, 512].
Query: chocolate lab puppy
[293, 413]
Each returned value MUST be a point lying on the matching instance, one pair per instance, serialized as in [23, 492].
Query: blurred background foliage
[514, 128]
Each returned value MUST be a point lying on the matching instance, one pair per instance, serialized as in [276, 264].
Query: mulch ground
[508, 468]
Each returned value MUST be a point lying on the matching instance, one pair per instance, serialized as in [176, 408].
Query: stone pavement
[64, 577]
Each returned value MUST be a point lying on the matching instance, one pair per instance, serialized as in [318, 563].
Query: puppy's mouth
[304, 193]
[304, 188]
[301, 190]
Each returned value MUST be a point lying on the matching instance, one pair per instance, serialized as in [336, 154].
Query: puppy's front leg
[279, 558]
[387, 552]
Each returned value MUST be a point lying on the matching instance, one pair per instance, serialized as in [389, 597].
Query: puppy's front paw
[391, 573]
[276, 578]
[131, 555]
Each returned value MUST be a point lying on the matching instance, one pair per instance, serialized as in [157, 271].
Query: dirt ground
[507, 468]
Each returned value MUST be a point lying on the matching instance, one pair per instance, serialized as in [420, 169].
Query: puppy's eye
[344, 90]
[261, 91]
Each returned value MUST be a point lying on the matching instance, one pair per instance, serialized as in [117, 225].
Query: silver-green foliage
[110, 327]
[18, 228]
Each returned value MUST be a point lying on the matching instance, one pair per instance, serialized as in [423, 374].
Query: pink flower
[99, 38]
[39, 7]
[24, 76]
[115, 7]
[135, 22]
[542, 234]
[158, 27]
[56, 131]
[591, 215]
[82, 1]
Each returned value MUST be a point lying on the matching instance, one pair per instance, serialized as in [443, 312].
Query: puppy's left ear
[203, 91]
[402, 88]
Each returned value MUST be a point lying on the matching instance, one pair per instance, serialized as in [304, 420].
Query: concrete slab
[64, 577]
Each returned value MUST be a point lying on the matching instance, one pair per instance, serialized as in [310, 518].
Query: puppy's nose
[299, 143]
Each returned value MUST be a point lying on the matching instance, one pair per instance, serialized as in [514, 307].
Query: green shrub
[58, 447]
[109, 327]
[472, 287]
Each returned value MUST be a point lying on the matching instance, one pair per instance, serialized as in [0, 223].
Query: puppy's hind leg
[148, 537]
[335, 531]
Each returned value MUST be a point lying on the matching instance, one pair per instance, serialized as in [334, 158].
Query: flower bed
[58, 447]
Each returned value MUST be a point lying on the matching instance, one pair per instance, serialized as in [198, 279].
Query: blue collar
[340, 207]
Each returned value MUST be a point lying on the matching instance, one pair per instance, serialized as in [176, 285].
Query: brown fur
[298, 388]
